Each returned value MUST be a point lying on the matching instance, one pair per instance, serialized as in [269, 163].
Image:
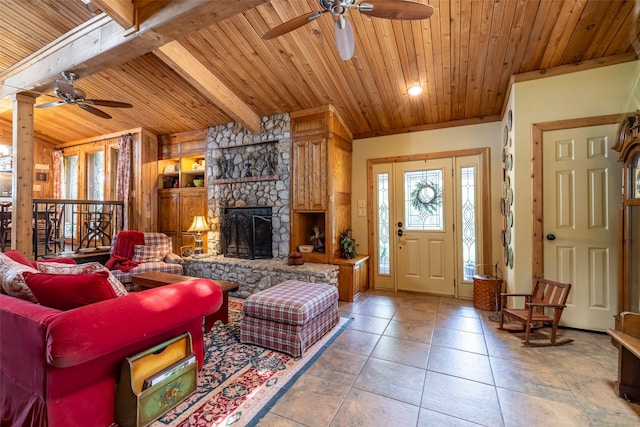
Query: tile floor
[418, 360]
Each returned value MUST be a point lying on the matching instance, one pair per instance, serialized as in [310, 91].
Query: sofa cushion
[67, 291]
[86, 268]
[143, 253]
[12, 279]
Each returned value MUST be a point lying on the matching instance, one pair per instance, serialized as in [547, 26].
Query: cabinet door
[317, 176]
[298, 185]
[168, 214]
[309, 184]
[191, 204]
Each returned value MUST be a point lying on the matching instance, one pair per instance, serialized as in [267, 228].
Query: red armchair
[59, 368]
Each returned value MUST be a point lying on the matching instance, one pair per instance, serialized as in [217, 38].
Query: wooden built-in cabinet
[321, 180]
[628, 145]
[353, 276]
[310, 180]
[181, 161]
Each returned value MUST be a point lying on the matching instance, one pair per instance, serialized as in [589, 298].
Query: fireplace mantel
[246, 179]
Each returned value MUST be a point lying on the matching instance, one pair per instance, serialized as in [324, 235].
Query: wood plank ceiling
[464, 56]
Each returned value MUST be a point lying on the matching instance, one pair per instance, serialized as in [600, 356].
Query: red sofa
[60, 368]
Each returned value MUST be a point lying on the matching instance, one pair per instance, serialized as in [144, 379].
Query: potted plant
[348, 244]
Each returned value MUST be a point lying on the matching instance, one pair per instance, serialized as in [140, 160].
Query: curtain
[58, 173]
[123, 179]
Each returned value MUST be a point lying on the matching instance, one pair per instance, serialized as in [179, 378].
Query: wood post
[22, 188]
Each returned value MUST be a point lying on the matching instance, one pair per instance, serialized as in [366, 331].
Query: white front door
[423, 222]
[581, 187]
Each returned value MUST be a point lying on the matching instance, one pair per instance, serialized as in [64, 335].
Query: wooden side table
[155, 279]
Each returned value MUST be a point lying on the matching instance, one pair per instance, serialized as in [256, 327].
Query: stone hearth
[256, 275]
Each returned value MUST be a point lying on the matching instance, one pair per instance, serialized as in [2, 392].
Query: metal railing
[67, 225]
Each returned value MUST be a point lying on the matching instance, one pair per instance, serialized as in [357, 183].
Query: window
[423, 200]
[383, 223]
[468, 214]
[95, 176]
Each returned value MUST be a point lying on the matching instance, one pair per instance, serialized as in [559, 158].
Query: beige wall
[606, 90]
[602, 91]
[440, 140]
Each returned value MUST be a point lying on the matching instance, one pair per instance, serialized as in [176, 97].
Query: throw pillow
[67, 291]
[143, 253]
[159, 240]
[87, 268]
[18, 257]
[12, 279]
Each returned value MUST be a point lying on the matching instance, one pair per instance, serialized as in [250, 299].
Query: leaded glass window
[468, 206]
[383, 223]
[424, 209]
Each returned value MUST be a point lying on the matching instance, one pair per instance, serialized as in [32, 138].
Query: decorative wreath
[426, 197]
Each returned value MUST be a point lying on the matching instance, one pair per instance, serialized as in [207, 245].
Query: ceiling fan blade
[105, 103]
[94, 110]
[291, 25]
[343, 35]
[65, 88]
[50, 104]
[398, 9]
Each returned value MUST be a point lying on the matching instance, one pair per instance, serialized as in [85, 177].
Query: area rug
[240, 382]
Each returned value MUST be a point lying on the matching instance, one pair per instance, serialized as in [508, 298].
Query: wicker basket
[486, 292]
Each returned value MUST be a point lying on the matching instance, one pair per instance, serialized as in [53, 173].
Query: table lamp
[199, 224]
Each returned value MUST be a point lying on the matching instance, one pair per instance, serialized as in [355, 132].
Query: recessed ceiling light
[415, 90]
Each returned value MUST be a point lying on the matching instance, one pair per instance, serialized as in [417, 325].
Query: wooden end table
[155, 279]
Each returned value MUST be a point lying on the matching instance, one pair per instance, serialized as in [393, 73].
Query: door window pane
[468, 206]
[383, 223]
[423, 200]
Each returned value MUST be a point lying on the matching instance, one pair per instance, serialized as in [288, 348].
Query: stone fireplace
[246, 170]
[247, 232]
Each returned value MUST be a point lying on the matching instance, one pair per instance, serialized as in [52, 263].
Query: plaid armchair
[156, 255]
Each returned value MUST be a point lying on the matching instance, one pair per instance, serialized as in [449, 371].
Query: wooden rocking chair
[546, 294]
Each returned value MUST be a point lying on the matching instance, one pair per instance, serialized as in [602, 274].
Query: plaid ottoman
[289, 317]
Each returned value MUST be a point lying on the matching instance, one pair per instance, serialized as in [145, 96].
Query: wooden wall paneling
[147, 192]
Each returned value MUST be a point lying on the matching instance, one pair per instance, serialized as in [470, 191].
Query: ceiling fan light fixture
[415, 90]
[343, 35]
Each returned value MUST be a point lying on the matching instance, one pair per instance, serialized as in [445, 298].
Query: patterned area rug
[240, 382]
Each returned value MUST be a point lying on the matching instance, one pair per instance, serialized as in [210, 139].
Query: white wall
[607, 90]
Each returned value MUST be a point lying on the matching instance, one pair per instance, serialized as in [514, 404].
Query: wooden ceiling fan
[343, 35]
[68, 94]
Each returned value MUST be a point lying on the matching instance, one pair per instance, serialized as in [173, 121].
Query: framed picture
[42, 176]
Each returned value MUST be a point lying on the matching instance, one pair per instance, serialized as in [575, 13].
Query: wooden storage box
[154, 381]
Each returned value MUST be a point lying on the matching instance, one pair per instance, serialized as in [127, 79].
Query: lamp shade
[199, 224]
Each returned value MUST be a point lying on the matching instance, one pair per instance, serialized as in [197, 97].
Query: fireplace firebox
[247, 232]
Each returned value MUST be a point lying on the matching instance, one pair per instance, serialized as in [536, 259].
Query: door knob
[400, 233]
[551, 236]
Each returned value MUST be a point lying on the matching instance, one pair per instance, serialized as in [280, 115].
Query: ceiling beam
[101, 42]
[198, 75]
[121, 11]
